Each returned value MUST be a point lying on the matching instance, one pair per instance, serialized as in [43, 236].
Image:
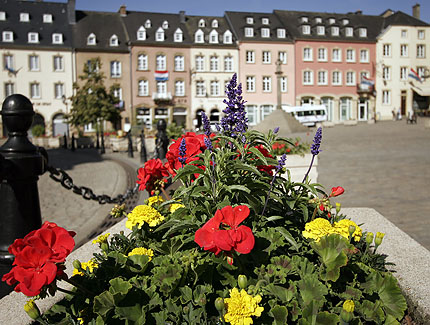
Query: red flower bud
[336, 191]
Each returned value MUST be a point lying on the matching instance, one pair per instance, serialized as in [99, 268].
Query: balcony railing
[162, 96]
[363, 88]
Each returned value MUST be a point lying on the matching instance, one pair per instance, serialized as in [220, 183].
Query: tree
[91, 102]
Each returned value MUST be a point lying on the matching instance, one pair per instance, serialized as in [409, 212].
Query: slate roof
[293, 23]
[238, 22]
[402, 19]
[36, 10]
[103, 25]
[192, 23]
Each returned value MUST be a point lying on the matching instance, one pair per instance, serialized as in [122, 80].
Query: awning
[422, 91]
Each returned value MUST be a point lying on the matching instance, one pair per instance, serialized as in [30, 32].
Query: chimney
[71, 13]
[123, 11]
[182, 17]
[416, 11]
[359, 12]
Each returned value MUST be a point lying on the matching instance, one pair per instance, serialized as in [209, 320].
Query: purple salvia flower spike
[182, 152]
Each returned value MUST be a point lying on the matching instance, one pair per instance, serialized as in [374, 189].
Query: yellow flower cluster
[155, 199]
[142, 251]
[142, 214]
[321, 227]
[241, 306]
[90, 266]
[348, 306]
[101, 239]
[175, 206]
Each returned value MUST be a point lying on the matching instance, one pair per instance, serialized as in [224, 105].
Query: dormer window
[228, 37]
[320, 30]
[24, 17]
[304, 19]
[265, 21]
[165, 24]
[141, 33]
[318, 20]
[335, 31]
[159, 35]
[199, 36]
[178, 36]
[148, 24]
[2, 16]
[91, 39]
[113, 41]
[7, 36]
[345, 21]
[213, 36]
[249, 32]
[202, 23]
[362, 32]
[250, 20]
[57, 38]
[281, 33]
[47, 18]
[306, 29]
[33, 37]
[349, 31]
[331, 21]
[265, 32]
[214, 23]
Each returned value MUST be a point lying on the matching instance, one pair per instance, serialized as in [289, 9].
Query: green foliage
[38, 130]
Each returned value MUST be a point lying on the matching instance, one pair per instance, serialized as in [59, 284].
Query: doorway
[362, 109]
[403, 103]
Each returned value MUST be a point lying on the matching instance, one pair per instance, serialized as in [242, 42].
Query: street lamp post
[67, 113]
[278, 76]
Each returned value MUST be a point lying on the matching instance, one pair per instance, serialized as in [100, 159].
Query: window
[304, 19]
[265, 32]
[307, 54]
[200, 63]
[115, 69]
[141, 33]
[386, 50]
[284, 84]
[281, 33]
[250, 84]
[214, 88]
[386, 97]
[33, 63]
[350, 55]
[8, 62]
[362, 32]
[214, 23]
[331, 21]
[403, 73]
[249, 32]
[159, 35]
[364, 56]
[267, 57]
[345, 21]
[213, 37]
[213, 63]
[421, 51]
[58, 63]
[143, 88]
[250, 57]
[350, 78]
[33, 37]
[58, 90]
[179, 63]
[306, 29]
[178, 36]
[179, 88]
[386, 73]
[2, 16]
[308, 77]
[148, 23]
[165, 24]
[162, 87]
[93, 65]
[318, 20]
[113, 41]
[91, 40]
[199, 36]
[421, 71]
[335, 31]
[282, 56]
[421, 34]
[227, 38]
[200, 88]
[160, 62]
[322, 78]
[404, 33]
[267, 84]
[251, 114]
[345, 108]
[320, 30]
[322, 54]
[249, 20]
[337, 78]
[7, 36]
[47, 18]
[336, 55]
[349, 31]
[9, 89]
[34, 90]
[404, 50]
[202, 23]
[117, 92]
[57, 38]
[24, 17]
[228, 63]
[265, 111]
[265, 21]
[142, 62]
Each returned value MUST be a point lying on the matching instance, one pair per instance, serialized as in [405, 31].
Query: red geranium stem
[78, 286]
[167, 196]
[66, 291]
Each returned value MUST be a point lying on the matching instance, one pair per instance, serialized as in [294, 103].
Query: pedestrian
[399, 115]
[394, 114]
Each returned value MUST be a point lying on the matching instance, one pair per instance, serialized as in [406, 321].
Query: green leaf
[279, 313]
[257, 152]
[103, 303]
[186, 171]
[282, 293]
[394, 304]
[371, 311]
[325, 318]
[239, 188]
[288, 237]
[139, 263]
[132, 313]
[186, 294]
[311, 289]
[119, 286]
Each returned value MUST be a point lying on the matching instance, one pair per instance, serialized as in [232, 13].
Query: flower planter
[298, 166]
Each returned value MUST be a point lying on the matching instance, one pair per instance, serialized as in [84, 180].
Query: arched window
[91, 39]
[59, 126]
[214, 23]
[165, 24]
[214, 117]
[148, 24]
[202, 23]
[113, 40]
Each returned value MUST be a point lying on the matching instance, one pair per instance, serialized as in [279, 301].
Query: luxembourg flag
[413, 74]
[161, 75]
[367, 81]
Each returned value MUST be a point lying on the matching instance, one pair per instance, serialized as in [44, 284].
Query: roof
[103, 25]
[293, 22]
[238, 21]
[36, 10]
[402, 19]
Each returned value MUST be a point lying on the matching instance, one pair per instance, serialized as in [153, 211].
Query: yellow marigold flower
[378, 238]
[90, 266]
[155, 199]
[342, 228]
[175, 206]
[101, 239]
[142, 214]
[241, 306]
[348, 306]
[142, 251]
[81, 320]
[317, 228]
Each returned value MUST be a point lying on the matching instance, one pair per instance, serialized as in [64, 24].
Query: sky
[217, 7]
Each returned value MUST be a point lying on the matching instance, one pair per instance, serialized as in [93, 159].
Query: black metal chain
[60, 176]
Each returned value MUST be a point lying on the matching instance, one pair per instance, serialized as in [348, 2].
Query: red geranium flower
[267, 168]
[336, 191]
[223, 233]
[153, 172]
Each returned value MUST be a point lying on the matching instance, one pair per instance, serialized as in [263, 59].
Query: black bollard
[161, 140]
[143, 156]
[72, 147]
[21, 166]
[102, 149]
[130, 145]
[97, 139]
[65, 141]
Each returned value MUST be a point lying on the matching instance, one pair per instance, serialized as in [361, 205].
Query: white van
[308, 115]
